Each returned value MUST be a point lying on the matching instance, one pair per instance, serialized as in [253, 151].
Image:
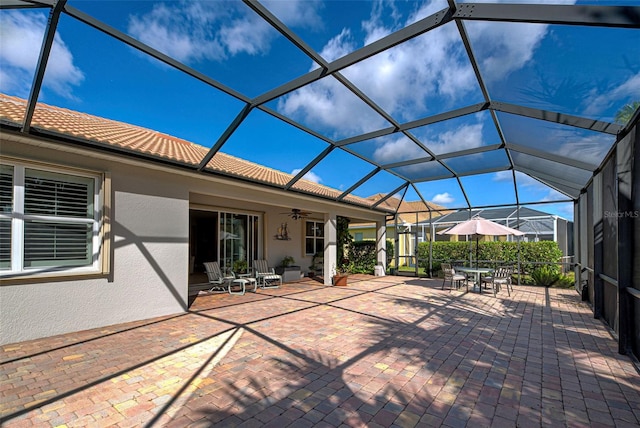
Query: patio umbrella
[477, 226]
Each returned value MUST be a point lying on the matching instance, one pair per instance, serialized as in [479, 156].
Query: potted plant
[287, 261]
[288, 270]
[240, 266]
[341, 273]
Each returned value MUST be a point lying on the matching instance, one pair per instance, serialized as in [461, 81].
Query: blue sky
[539, 66]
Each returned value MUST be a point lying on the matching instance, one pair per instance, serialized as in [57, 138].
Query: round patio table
[476, 271]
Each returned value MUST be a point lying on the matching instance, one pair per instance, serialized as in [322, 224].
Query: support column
[330, 247]
[381, 244]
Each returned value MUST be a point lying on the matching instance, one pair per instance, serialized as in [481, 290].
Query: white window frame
[315, 237]
[18, 219]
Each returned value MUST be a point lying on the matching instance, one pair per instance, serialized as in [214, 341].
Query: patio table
[476, 271]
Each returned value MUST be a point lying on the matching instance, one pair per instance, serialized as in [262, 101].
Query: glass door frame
[229, 249]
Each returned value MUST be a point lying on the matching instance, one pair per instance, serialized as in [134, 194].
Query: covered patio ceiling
[437, 101]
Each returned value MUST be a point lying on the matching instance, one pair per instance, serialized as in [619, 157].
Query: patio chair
[501, 276]
[219, 282]
[215, 277]
[265, 276]
[451, 275]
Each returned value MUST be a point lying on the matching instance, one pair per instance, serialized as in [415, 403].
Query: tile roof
[407, 210]
[131, 137]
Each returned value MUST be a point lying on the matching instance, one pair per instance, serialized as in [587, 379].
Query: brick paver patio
[386, 351]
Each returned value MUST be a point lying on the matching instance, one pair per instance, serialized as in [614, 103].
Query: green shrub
[362, 256]
[524, 279]
[390, 252]
[545, 276]
[566, 281]
[501, 251]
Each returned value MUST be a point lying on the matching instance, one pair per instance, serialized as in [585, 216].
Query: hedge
[362, 255]
[531, 253]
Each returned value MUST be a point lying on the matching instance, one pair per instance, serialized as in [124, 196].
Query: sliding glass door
[238, 235]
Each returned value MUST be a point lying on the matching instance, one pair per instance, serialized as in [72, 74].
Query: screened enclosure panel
[210, 37]
[502, 189]
[548, 170]
[435, 71]
[478, 162]
[382, 182]
[548, 67]
[389, 149]
[22, 30]
[532, 190]
[324, 106]
[422, 91]
[352, 24]
[293, 151]
[423, 171]
[135, 94]
[460, 133]
[446, 193]
[556, 139]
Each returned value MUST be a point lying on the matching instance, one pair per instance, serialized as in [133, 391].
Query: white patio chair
[265, 276]
[219, 282]
[451, 275]
[501, 276]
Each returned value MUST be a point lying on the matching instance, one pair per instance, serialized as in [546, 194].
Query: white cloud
[462, 138]
[443, 198]
[406, 80]
[297, 13]
[180, 31]
[396, 149]
[503, 176]
[21, 37]
[196, 31]
[311, 176]
[504, 47]
[602, 100]
[531, 189]
[587, 148]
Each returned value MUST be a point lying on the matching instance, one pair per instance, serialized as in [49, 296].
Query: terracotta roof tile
[407, 209]
[147, 141]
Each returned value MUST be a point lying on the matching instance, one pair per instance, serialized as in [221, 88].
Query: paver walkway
[386, 351]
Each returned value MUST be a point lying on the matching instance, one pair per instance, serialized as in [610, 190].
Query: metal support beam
[43, 59]
[225, 136]
[18, 4]
[551, 157]
[309, 166]
[390, 194]
[474, 108]
[563, 119]
[358, 184]
[266, 15]
[600, 16]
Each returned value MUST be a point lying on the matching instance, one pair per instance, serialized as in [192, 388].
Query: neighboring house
[409, 214]
[413, 227]
[101, 222]
[538, 225]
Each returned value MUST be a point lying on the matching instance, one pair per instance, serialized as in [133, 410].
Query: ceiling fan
[296, 213]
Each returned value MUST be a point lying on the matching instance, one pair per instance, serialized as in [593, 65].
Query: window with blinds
[6, 207]
[52, 222]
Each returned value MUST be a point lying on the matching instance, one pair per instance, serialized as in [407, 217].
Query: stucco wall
[150, 242]
[150, 252]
